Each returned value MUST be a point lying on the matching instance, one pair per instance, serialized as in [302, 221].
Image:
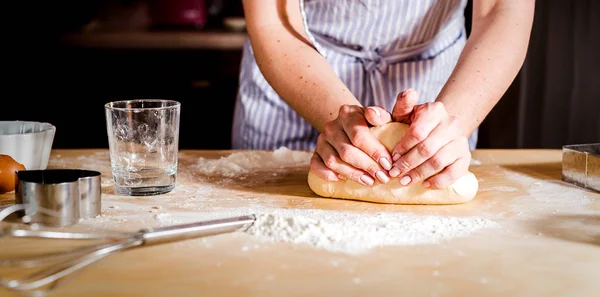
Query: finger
[342, 148]
[358, 159]
[427, 117]
[449, 175]
[377, 116]
[369, 146]
[429, 148]
[360, 136]
[405, 103]
[333, 162]
[447, 155]
[318, 167]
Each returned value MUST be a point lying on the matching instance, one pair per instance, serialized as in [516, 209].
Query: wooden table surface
[547, 242]
[200, 40]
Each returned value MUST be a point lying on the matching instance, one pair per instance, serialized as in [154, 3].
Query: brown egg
[8, 167]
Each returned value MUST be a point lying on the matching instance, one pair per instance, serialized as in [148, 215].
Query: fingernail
[342, 177]
[426, 184]
[394, 172]
[382, 177]
[367, 180]
[396, 157]
[385, 163]
[405, 180]
[375, 110]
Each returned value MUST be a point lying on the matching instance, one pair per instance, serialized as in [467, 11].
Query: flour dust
[358, 233]
[245, 162]
[331, 230]
[335, 231]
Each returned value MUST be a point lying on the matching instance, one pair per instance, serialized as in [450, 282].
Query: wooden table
[201, 40]
[547, 242]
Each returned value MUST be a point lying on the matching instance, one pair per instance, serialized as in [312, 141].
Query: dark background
[555, 100]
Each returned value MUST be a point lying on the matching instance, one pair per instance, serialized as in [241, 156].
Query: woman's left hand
[434, 149]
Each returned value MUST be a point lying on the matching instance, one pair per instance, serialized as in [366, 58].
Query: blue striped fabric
[377, 47]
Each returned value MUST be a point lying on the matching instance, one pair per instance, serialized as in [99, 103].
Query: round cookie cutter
[57, 197]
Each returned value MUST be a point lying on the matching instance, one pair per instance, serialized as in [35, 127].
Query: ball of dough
[461, 191]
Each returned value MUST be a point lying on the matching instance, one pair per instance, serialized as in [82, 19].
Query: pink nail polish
[396, 157]
[382, 177]
[426, 184]
[376, 111]
[394, 172]
[405, 180]
[367, 180]
[385, 163]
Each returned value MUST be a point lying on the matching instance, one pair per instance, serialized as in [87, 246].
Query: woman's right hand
[347, 150]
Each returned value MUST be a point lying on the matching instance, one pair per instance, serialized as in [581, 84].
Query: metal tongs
[65, 263]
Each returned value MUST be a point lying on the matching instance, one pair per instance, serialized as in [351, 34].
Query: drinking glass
[143, 140]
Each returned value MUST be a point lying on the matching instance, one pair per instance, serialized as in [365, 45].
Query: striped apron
[377, 47]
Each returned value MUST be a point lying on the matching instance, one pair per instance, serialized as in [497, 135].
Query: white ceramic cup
[29, 143]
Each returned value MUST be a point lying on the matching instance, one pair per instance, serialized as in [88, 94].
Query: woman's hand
[347, 149]
[434, 149]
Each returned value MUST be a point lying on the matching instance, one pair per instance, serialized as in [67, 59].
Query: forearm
[296, 71]
[490, 60]
[302, 78]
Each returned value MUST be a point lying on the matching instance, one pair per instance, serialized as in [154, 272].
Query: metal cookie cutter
[56, 197]
[581, 165]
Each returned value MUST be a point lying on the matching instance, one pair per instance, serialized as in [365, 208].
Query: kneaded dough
[461, 191]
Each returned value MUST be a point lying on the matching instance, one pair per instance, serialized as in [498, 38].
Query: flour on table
[340, 231]
[556, 195]
[357, 233]
[331, 230]
[475, 162]
[244, 162]
[94, 161]
[500, 189]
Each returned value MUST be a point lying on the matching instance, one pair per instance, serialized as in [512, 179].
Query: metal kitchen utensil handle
[51, 258]
[85, 256]
[53, 274]
[63, 235]
[194, 230]
[146, 236]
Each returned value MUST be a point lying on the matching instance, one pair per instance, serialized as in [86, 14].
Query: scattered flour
[247, 161]
[475, 162]
[500, 189]
[335, 231]
[244, 162]
[95, 161]
[340, 231]
[331, 230]
[554, 195]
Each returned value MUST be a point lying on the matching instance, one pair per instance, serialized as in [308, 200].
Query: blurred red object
[178, 14]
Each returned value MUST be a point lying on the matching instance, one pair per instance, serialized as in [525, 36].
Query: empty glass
[143, 139]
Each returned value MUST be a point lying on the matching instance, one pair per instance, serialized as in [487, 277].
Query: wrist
[461, 125]
[461, 117]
